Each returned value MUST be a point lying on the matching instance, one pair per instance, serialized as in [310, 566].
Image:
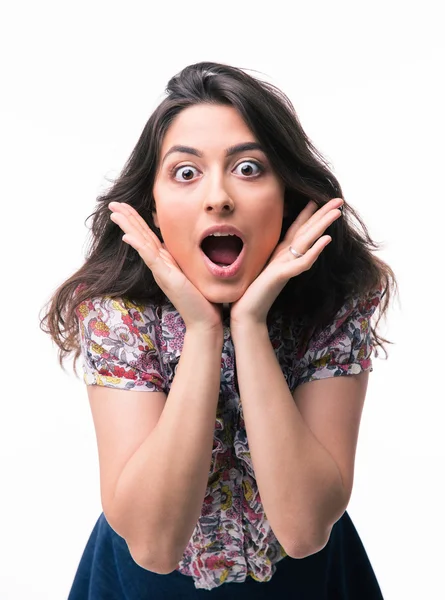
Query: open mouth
[222, 249]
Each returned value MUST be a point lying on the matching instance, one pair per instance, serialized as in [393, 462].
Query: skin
[214, 190]
[192, 193]
[311, 434]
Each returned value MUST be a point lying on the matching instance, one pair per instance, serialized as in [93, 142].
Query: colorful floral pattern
[136, 347]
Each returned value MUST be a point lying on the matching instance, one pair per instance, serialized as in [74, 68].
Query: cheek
[269, 232]
[175, 230]
[271, 217]
[166, 216]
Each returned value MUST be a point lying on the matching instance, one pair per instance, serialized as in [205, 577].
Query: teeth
[219, 234]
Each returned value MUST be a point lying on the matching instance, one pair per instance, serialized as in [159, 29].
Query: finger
[146, 250]
[134, 218]
[122, 220]
[133, 214]
[314, 252]
[138, 239]
[310, 208]
[306, 237]
[160, 266]
[129, 225]
[168, 258]
[310, 214]
[333, 204]
[310, 256]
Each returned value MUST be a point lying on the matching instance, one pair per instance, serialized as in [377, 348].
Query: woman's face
[200, 186]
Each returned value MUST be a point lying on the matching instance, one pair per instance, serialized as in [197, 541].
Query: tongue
[222, 250]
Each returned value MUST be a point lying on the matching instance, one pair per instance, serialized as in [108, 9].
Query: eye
[247, 168]
[185, 173]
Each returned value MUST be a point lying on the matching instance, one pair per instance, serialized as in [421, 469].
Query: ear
[155, 218]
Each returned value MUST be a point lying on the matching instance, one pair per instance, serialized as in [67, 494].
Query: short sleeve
[118, 345]
[345, 346]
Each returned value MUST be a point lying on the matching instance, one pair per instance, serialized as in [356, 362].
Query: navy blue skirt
[341, 571]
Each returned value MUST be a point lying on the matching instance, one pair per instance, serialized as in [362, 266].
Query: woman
[239, 282]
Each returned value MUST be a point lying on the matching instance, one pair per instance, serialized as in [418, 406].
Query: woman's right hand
[196, 311]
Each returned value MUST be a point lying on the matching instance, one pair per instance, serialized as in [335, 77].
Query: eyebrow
[244, 147]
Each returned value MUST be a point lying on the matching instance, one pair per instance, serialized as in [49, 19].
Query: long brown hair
[347, 266]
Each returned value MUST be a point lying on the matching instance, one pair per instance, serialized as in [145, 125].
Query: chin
[222, 297]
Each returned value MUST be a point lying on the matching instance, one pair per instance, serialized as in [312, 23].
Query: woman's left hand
[304, 236]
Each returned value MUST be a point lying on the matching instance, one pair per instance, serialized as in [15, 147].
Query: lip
[222, 229]
[224, 272]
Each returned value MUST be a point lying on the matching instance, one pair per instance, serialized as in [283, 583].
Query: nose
[218, 200]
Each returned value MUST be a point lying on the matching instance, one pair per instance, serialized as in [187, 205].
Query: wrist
[212, 333]
[248, 327]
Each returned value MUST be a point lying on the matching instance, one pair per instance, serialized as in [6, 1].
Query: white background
[79, 80]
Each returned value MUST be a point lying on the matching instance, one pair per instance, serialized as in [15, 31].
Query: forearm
[160, 492]
[299, 482]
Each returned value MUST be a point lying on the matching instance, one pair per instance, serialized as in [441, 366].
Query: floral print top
[137, 348]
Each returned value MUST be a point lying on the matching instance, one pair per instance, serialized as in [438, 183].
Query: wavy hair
[347, 266]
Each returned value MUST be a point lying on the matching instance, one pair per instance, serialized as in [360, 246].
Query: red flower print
[143, 348]
[127, 320]
[218, 561]
[121, 372]
[105, 372]
[99, 328]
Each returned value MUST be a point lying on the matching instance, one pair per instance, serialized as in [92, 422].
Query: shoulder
[356, 311]
[360, 305]
[105, 314]
[116, 324]
[120, 343]
[343, 346]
